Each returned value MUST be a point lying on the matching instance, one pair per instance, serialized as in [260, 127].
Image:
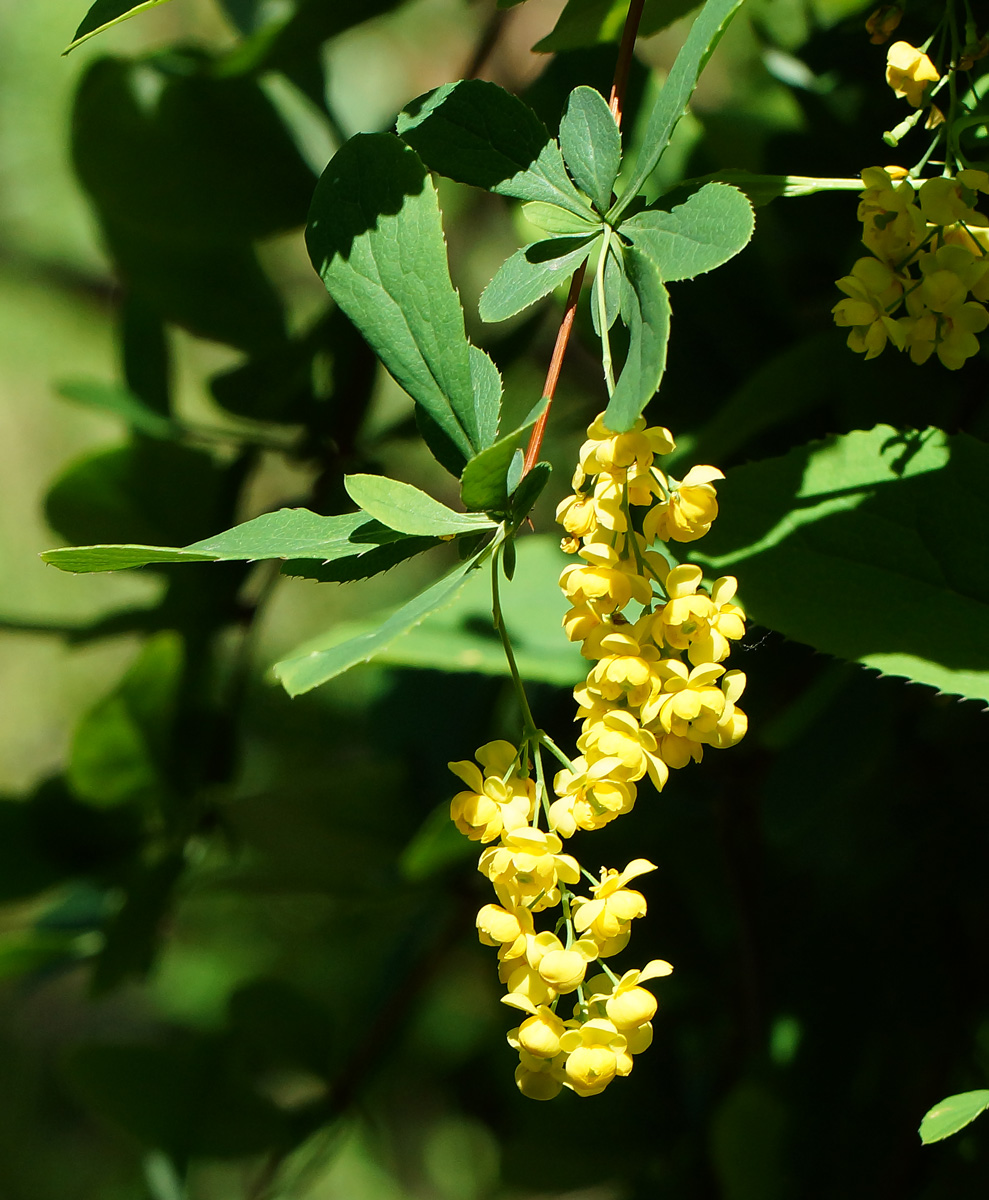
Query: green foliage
[709, 228]
[406, 509]
[591, 145]
[376, 239]
[531, 273]
[104, 14]
[645, 309]
[847, 544]
[585, 22]
[952, 1114]
[304, 671]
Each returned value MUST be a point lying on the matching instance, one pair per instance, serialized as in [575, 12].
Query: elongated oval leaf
[854, 546]
[289, 533]
[104, 14]
[645, 309]
[712, 226]
[591, 145]
[304, 672]
[479, 134]
[531, 273]
[952, 1114]
[406, 509]
[591, 22]
[557, 221]
[376, 238]
[484, 486]
[671, 104]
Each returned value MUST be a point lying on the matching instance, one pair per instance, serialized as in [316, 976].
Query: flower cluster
[658, 692]
[929, 257]
[655, 697]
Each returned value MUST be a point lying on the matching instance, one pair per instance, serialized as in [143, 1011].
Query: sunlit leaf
[531, 273]
[591, 144]
[645, 310]
[952, 1114]
[104, 14]
[406, 509]
[709, 228]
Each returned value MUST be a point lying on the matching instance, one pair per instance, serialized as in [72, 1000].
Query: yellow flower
[909, 72]
[596, 1053]
[611, 452]
[527, 866]
[700, 624]
[539, 1078]
[493, 804]
[588, 797]
[874, 292]
[561, 968]
[618, 735]
[944, 201]
[504, 928]
[614, 906]
[540, 1034]
[688, 513]
[629, 1007]
[893, 225]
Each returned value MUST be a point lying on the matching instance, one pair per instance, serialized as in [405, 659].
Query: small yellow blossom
[500, 799]
[614, 906]
[589, 797]
[690, 510]
[527, 868]
[596, 1053]
[909, 72]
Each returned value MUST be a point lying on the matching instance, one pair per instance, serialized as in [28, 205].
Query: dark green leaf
[589, 22]
[289, 533]
[303, 672]
[697, 236]
[184, 157]
[376, 238]
[479, 134]
[532, 273]
[952, 1114]
[852, 543]
[529, 489]
[406, 509]
[146, 355]
[484, 485]
[591, 145]
[132, 934]
[128, 494]
[705, 33]
[106, 13]
[112, 398]
[360, 566]
[121, 747]
[645, 309]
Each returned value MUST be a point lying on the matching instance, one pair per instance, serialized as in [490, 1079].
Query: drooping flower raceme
[925, 287]
[657, 694]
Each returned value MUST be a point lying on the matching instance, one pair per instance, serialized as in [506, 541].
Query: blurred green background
[237, 956]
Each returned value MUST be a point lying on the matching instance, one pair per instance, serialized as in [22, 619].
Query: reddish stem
[622, 68]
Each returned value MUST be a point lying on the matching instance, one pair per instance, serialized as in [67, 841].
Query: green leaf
[614, 277]
[712, 226]
[289, 533]
[460, 637]
[487, 384]
[120, 747]
[477, 133]
[531, 273]
[952, 1114]
[558, 221]
[111, 398]
[302, 673]
[705, 33]
[376, 238]
[854, 545]
[591, 145]
[405, 508]
[103, 15]
[484, 485]
[591, 22]
[645, 309]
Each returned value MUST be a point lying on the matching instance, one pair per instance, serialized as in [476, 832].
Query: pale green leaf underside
[952, 1114]
[591, 145]
[531, 273]
[104, 14]
[376, 239]
[289, 533]
[406, 509]
[868, 546]
[708, 229]
[645, 309]
[671, 104]
[301, 673]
